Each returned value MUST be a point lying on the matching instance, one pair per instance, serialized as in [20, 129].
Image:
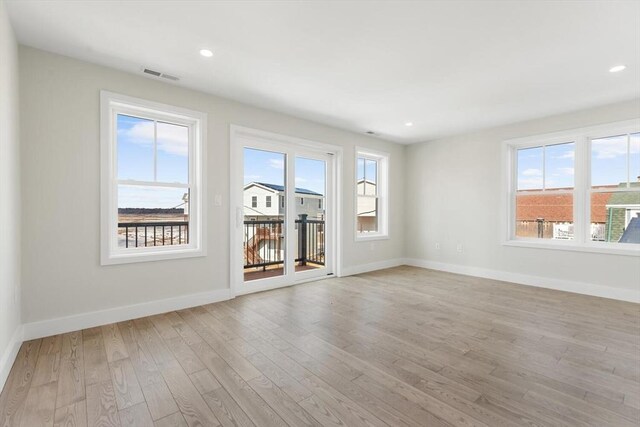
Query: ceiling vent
[159, 74]
[370, 132]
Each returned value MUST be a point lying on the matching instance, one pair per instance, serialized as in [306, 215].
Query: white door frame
[239, 136]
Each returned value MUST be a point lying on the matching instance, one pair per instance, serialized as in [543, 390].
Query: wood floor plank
[47, 369]
[194, 409]
[101, 405]
[71, 384]
[96, 368]
[74, 415]
[399, 347]
[16, 389]
[136, 416]
[125, 382]
[254, 406]
[226, 409]
[39, 407]
[204, 381]
[113, 343]
[173, 420]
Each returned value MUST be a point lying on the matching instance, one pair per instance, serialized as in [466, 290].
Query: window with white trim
[577, 189]
[152, 185]
[371, 194]
[268, 202]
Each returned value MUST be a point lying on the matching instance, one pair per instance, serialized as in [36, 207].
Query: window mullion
[581, 196]
[155, 150]
[628, 160]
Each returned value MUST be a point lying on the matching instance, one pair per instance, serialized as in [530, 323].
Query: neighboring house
[366, 206]
[264, 201]
[611, 215]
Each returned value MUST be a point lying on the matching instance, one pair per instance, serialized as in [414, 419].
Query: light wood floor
[399, 347]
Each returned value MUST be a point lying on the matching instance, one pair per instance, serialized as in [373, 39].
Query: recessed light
[206, 53]
[409, 124]
[617, 68]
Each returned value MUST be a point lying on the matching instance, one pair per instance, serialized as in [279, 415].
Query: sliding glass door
[285, 219]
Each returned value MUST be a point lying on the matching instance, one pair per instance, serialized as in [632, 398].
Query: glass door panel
[310, 211]
[264, 214]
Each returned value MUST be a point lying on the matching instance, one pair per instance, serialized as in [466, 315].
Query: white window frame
[582, 191]
[268, 201]
[382, 189]
[112, 104]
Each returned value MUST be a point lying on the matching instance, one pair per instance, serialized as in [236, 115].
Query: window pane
[367, 214]
[166, 208]
[559, 166]
[371, 177]
[615, 217]
[173, 153]
[135, 148]
[609, 161]
[530, 168]
[634, 159]
[544, 216]
[360, 175]
[264, 233]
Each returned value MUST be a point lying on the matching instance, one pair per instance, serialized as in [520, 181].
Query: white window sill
[368, 237]
[603, 248]
[149, 256]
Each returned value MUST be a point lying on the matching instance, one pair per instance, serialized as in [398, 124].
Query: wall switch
[217, 200]
[459, 247]
[438, 245]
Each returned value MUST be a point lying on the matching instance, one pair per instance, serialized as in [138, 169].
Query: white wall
[60, 161]
[455, 188]
[9, 197]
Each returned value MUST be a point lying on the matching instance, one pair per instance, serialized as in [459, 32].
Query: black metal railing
[140, 234]
[264, 241]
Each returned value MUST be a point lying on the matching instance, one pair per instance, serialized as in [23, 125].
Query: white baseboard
[9, 355]
[365, 268]
[76, 322]
[630, 295]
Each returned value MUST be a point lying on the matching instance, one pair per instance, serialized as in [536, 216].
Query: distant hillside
[150, 211]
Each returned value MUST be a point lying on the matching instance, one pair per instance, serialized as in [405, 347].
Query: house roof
[559, 207]
[281, 188]
[632, 232]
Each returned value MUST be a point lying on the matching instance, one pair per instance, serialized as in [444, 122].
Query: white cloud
[566, 171]
[611, 148]
[172, 139]
[567, 155]
[276, 163]
[532, 172]
[300, 180]
[529, 183]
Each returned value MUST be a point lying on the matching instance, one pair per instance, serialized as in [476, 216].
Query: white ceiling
[448, 67]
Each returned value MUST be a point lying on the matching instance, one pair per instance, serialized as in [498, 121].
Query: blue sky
[268, 167]
[608, 163]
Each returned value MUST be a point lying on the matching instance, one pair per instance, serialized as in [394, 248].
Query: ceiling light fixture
[617, 68]
[409, 124]
[206, 53]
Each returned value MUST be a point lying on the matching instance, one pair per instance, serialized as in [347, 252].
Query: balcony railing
[264, 242]
[140, 234]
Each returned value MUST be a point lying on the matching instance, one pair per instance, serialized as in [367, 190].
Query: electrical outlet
[459, 247]
[438, 246]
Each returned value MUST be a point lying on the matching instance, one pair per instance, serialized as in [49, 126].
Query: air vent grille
[160, 74]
